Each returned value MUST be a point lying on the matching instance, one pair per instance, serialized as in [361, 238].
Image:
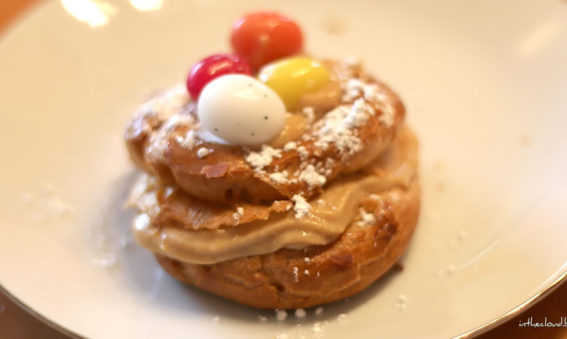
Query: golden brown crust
[172, 207]
[286, 280]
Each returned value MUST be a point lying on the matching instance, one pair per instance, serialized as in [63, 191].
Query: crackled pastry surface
[336, 130]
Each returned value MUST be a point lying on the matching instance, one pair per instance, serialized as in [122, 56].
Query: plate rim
[483, 328]
[38, 316]
[522, 307]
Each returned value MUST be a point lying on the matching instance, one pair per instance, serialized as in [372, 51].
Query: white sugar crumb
[239, 213]
[341, 317]
[300, 313]
[158, 143]
[188, 140]
[216, 319]
[259, 160]
[309, 113]
[168, 191]
[280, 177]
[290, 145]
[400, 302]
[306, 272]
[302, 152]
[301, 206]
[319, 311]
[307, 260]
[262, 318]
[141, 222]
[203, 152]
[281, 314]
[310, 176]
[295, 274]
[318, 329]
[366, 218]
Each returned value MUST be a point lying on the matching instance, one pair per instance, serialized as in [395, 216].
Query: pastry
[273, 178]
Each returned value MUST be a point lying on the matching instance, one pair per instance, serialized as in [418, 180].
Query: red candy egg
[212, 67]
[263, 37]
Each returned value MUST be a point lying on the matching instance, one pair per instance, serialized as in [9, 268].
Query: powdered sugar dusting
[366, 218]
[280, 177]
[310, 176]
[188, 140]
[301, 206]
[358, 114]
[339, 126]
[295, 274]
[238, 214]
[332, 130]
[259, 160]
[309, 113]
[203, 152]
[356, 88]
[290, 146]
[318, 329]
[281, 314]
[353, 89]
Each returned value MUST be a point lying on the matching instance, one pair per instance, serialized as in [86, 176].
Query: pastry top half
[339, 129]
[202, 201]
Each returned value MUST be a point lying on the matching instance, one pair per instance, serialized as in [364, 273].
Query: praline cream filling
[330, 213]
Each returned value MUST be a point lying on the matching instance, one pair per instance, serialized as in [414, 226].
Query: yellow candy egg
[291, 78]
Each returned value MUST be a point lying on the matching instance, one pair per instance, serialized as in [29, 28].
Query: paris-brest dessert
[274, 178]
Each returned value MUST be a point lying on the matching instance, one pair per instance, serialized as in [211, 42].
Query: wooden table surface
[15, 322]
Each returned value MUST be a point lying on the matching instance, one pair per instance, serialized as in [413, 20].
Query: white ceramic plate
[485, 84]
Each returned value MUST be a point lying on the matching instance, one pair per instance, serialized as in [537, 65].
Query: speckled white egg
[241, 110]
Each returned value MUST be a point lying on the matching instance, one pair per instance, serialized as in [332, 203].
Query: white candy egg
[241, 110]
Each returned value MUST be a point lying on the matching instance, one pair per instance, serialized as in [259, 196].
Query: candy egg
[212, 67]
[262, 37]
[293, 77]
[241, 110]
